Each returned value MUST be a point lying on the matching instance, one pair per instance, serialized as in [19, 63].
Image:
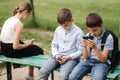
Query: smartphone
[32, 40]
[91, 37]
[88, 37]
[85, 37]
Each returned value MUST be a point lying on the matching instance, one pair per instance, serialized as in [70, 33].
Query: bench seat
[38, 61]
[35, 61]
[112, 75]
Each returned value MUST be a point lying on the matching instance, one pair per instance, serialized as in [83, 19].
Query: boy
[96, 60]
[66, 47]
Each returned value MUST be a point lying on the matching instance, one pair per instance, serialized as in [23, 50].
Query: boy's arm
[54, 46]
[76, 54]
[108, 46]
[86, 52]
[102, 55]
[86, 48]
[79, 47]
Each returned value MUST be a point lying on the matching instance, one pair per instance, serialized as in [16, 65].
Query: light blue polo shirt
[108, 44]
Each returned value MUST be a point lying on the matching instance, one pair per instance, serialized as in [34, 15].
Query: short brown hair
[64, 15]
[93, 20]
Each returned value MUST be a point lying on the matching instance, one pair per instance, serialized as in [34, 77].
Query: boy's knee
[43, 74]
[71, 77]
[64, 76]
[99, 76]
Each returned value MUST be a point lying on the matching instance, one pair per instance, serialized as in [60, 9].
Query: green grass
[41, 39]
[46, 13]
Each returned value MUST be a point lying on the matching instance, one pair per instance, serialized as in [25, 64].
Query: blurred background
[42, 25]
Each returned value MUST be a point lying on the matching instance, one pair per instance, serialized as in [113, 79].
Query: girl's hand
[28, 42]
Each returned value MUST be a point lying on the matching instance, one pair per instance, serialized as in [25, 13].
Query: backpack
[115, 55]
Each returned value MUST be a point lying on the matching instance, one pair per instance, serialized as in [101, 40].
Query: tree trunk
[33, 12]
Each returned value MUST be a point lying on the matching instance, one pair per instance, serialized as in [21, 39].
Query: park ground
[20, 74]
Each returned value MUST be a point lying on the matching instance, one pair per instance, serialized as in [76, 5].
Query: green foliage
[41, 39]
[46, 15]
[46, 12]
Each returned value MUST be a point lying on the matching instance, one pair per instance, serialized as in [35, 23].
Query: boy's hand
[64, 59]
[58, 57]
[84, 42]
[91, 43]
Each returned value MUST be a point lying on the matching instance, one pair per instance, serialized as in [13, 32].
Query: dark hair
[21, 7]
[64, 15]
[93, 20]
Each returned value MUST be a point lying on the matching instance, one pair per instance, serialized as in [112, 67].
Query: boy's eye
[65, 25]
[94, 30]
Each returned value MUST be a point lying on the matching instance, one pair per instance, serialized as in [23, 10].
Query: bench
[112, 75]
[38, 61]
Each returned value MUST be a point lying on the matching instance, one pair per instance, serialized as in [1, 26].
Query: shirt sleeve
[54, 45]
[109, 43]
[79, 47]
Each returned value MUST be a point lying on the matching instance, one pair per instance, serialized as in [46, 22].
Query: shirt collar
[72, 26]
[103, 31]
[101, 35]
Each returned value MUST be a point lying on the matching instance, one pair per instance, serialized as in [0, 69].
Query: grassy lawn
[46, 13]
[42, 38]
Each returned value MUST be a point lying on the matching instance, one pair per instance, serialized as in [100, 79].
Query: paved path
[20, 73]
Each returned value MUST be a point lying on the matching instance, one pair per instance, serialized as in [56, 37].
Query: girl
[11, 31]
